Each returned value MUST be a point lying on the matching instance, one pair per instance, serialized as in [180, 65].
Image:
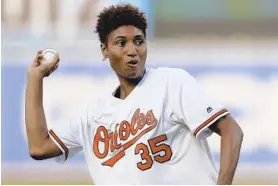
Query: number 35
[155, 149]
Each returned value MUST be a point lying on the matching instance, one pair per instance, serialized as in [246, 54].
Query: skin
[123, 45]
[231, 140]
[39, 142]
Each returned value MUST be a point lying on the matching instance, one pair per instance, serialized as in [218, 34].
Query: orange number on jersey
[160, 148]
[145, 155]
[155, 149]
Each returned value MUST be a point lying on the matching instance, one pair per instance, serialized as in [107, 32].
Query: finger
[56, 66]
[38, 56]
[39, 52]
[53, 69]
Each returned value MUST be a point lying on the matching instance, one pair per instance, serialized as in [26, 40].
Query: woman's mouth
[132, 63]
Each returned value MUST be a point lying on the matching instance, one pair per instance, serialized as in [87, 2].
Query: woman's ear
[104, 51]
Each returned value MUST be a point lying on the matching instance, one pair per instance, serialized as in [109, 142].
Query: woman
[151, 130]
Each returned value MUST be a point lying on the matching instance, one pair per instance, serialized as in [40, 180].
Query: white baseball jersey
[157, 135]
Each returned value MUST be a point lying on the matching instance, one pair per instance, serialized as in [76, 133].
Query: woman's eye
[121, 43]
[139, 42]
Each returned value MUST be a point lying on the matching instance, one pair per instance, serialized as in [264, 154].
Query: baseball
[48, 55]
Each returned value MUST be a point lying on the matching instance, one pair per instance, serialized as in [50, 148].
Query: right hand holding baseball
[40, 69]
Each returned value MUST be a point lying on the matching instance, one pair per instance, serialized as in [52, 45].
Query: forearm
[37, 131]
[230, 150]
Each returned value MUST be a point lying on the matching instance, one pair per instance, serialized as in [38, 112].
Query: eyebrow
[120, 37]
[123, 37]
[139, 36]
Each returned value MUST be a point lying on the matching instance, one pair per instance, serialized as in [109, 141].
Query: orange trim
[52, 133]
[209, 121]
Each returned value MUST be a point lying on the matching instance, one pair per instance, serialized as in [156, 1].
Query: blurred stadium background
[230, 46]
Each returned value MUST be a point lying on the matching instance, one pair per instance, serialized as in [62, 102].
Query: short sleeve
[193, 106]
[67, 137]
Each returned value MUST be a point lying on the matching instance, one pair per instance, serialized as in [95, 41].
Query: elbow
[36, 154]
[240, 134]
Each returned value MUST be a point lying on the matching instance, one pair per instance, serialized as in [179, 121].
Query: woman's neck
[127, 85]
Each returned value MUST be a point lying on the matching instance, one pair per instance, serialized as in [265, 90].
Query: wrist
[224, 179]
[34, 76]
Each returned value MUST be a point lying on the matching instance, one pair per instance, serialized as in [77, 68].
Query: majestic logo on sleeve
[209, 109]
[105, 141]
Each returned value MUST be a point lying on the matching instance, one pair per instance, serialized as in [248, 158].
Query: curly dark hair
[114, 16]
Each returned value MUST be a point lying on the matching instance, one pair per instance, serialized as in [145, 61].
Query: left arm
[192, 105]
[231, 139]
